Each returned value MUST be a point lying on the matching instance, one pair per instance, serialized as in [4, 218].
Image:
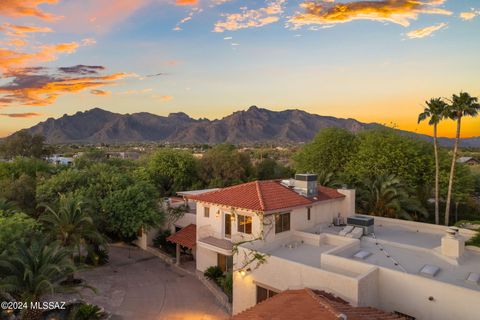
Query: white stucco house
[312, 238]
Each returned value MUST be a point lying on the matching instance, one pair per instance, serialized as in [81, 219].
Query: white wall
[410, 294]
[282, 274]
[205, 258]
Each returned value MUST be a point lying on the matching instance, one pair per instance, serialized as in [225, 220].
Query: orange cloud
[186, 2]
[21, 115]
[32, 87]
[22, 8]
[425, 32]
[10, 59]
[98, 92]
[16, 42]
[469, 15]
[166, 98]
[21, 31]
[251, 18]
[395, 11]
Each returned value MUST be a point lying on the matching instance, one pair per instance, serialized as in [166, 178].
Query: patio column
[177, 255]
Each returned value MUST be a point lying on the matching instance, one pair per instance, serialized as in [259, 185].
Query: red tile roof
[186, 237]
[312, 305]
[267, 195]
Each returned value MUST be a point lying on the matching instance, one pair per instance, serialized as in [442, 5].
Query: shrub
[97, 257]
[161, 242]
[213, 273]
[475, 241]
[226, 282]
[86, 312]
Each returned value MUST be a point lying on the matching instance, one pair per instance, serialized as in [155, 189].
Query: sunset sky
[375, 61]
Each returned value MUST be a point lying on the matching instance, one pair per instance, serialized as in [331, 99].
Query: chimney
[452, 245]
[306, 184]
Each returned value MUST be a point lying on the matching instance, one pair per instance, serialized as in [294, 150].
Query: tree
[223, 166]
[386, 196]
[70, 223]
[462, 105]
[132, 208]
[172, 170]
[34, 270]
[383, 152]
[14, 226]
[329, 151]
[435, 112]
[271, 169]
[25, 145]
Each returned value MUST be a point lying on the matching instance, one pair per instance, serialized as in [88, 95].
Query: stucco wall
[410, 294]
[205, 258]
[282, 274]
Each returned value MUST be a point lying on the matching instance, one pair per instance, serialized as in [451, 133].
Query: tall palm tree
[462, 105]
[34, 270]
[435, 112]
[71, 224]
[386, 196]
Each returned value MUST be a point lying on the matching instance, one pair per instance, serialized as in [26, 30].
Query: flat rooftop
[301, 252]
[397, 245]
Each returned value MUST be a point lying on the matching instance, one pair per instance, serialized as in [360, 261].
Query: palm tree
[386, 196]
[435, 112]
[70, 224]
[36, 269]
[7, 207]
[462, 105]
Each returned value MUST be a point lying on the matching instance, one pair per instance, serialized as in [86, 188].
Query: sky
[374, 61]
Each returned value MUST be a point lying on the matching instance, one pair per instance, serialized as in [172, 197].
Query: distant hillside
[241, 127]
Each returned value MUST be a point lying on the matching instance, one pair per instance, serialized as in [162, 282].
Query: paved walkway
[137, 285]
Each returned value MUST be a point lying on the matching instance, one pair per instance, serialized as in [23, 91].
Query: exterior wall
[205, 258]
[410, 294]
[282, 274]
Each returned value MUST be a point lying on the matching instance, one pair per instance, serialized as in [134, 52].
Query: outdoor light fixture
[242, 273]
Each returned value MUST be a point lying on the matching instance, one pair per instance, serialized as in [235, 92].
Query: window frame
[206, 212]
[243, 228]
[281, 219]
[269, 293]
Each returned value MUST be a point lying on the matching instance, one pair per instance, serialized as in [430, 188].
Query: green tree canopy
[383, 152]
[271, 169]
[25, 145]
[131, 208]
[223, 165]
[14, 226]
[172, 170]
[330, 151]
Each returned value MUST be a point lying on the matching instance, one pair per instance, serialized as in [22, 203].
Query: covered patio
[187, 238]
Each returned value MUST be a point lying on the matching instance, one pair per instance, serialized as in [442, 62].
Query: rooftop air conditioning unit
[366, 223]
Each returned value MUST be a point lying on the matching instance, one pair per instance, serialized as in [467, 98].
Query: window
[264, 294]
[225, 263]
[282, 222]
[308, 214]
[244, 224]
[206, 212]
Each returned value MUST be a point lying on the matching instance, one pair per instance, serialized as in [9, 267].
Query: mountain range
[242, 127]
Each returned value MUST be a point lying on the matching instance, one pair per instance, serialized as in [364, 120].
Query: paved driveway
[144, 287]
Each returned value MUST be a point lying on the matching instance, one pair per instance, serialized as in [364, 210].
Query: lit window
[206, 212]
[282, 222]
[244, 224]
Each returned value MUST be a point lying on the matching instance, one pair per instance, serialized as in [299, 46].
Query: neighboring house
[311, 304]
[130, 155]
[471, 161]
[267, 210]
[60, 160]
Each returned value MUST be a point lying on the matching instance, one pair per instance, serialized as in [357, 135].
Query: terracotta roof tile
[267, 195]
[312, 305]
[186, 237]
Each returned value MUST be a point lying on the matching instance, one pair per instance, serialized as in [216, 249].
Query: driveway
[138, 285]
